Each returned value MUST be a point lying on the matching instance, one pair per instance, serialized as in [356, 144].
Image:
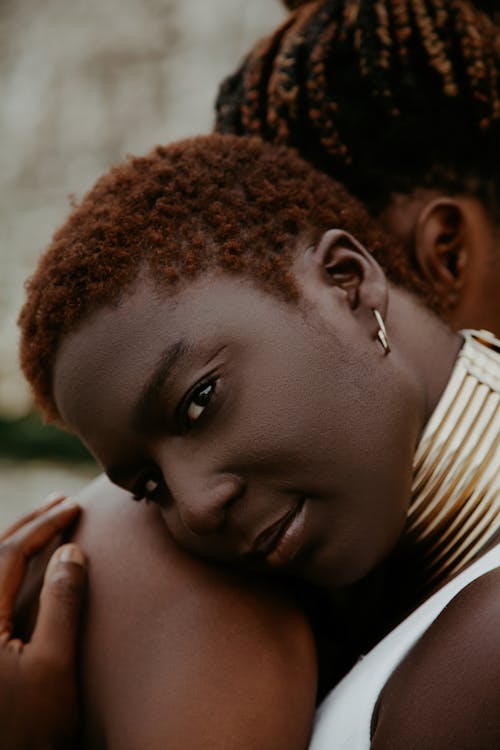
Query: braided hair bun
[490, 7]
[384, 95]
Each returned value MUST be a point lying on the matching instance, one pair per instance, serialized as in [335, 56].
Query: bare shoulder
[446, 693]
[178, 653]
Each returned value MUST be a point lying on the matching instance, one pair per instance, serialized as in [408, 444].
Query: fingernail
[54, 496]
[53, 499]
[71, 553]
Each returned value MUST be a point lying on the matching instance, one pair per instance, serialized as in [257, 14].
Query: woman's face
[270, 434]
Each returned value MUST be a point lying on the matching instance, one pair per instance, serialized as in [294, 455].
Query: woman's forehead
[120, 344]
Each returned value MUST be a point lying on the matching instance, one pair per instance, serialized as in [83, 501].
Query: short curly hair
[237, 204]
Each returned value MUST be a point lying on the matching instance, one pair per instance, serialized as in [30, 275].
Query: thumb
[61, 600]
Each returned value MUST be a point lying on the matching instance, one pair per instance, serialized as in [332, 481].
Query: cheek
[282, 423]
[204, 547]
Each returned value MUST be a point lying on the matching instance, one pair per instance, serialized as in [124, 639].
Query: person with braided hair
[360, 89]
[400, 101]
[239, 344]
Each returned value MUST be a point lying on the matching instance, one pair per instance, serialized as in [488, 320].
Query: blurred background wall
[85, 82]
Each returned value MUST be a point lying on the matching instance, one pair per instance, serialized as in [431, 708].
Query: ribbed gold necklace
[455, 506]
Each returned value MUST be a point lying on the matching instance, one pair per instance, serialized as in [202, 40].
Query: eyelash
[186, 422]
[142, 492]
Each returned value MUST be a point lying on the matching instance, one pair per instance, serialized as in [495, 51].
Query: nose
[202, 502]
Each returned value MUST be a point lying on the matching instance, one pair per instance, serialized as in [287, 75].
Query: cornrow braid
[322, 111]
[242, 98]
[362, 87]
[284, 92]
[490, 7]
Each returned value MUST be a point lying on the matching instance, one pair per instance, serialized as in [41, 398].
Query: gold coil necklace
[455, 506]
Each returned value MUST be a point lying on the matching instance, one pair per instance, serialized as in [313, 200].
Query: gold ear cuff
[382, 332]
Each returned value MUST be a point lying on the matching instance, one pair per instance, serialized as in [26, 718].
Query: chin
[335, 571]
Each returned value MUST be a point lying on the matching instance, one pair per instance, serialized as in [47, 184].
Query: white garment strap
[343, 720]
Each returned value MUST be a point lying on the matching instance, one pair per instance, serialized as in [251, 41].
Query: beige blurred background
[85, 82]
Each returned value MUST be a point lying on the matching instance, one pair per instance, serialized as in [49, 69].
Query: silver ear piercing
[382, 332]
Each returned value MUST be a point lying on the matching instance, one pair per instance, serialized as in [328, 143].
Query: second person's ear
[441, 247]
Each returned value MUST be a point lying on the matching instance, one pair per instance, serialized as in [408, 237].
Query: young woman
[417, 85]
[216, 324]
[400, 101]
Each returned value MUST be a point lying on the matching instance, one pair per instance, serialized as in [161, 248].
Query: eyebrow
[168, 360]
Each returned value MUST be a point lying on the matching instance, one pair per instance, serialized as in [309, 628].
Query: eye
[198, 401]
[149, 488]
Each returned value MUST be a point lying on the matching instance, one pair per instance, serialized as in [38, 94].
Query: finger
[32, 536]
[15, 646]
[53, 499]
[61, 599]
[20, 546]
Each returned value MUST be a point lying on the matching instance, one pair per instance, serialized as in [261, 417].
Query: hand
[38, 693]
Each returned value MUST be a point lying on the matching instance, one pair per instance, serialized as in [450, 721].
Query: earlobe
[441, 246]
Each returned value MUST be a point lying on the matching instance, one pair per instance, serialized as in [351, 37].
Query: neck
[454, 512]
[427, 349]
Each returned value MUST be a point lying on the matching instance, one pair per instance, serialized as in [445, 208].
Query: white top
[343, 720]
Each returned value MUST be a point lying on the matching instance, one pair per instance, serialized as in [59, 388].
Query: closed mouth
[268, 540]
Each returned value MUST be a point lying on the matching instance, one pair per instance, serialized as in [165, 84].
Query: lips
[269, 540]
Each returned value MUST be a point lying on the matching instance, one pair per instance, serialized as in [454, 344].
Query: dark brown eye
[149, 487]
[199, 400]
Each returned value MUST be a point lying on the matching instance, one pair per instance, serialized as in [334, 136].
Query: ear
[441, 247]
[339, 264]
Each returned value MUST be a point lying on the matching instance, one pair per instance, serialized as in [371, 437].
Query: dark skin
[247, 343]
[213, 657]
[253, 480]
[444, 694]
[455, 243]
[195, 658]
[39, 673]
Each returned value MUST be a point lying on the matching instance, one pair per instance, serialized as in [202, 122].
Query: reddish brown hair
[236, 204]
